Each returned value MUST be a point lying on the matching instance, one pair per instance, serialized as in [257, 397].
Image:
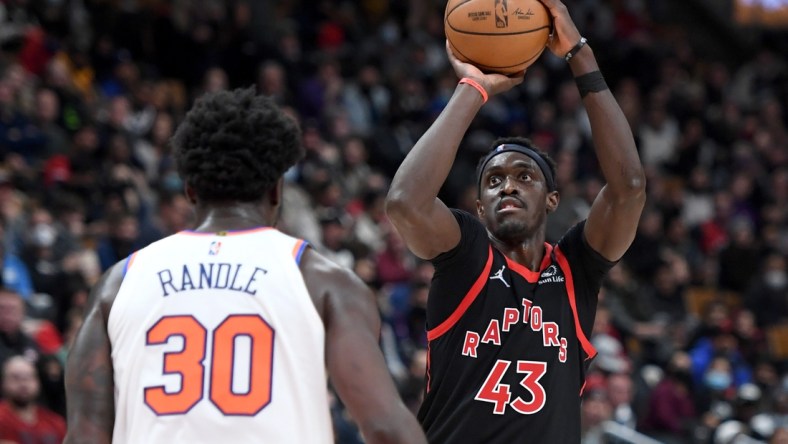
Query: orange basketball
[504, 36]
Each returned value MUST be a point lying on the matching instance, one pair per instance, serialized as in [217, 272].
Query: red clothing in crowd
[669, 408]
[49, 427]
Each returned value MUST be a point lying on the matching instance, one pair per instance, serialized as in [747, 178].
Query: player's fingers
[514, 81]
[449, 51]
[555, 6]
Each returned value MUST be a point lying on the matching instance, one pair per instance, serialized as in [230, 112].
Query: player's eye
[525, 177]
[494, 180]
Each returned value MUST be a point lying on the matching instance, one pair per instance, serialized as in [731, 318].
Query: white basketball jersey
[216, 339]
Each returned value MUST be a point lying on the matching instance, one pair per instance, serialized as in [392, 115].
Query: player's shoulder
[315, 265]
[466, 218]
[103, 294]
[573, 237]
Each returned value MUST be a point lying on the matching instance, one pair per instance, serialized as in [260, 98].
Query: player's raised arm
[90, 387]
[356, 366]
[615, 213]
[425, 223]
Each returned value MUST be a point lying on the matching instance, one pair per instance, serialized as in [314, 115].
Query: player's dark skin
[355, 363]
[514, 200]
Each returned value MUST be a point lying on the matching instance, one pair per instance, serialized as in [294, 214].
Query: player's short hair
[235, 145]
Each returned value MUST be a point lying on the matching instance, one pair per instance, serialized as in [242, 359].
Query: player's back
[216, 339]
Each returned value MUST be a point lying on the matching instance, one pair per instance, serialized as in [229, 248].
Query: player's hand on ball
[493, 83]
[565, 34]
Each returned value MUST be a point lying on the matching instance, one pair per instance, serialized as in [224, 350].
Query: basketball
[503, 36]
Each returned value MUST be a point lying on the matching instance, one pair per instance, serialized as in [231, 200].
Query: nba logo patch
[501, 14]
[213, 250]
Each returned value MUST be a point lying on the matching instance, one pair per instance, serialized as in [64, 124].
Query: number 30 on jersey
[188, 364]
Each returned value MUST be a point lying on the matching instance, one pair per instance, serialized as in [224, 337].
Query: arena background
[91, 90]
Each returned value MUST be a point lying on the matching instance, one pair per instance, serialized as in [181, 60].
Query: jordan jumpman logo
[499, 275]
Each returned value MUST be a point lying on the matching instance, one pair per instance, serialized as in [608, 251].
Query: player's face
[513, 199]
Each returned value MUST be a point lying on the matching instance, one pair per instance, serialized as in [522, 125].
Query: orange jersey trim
[298, 250]
[129, 262]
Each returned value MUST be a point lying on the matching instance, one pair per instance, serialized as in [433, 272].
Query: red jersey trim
[429, 375]
[570, 291]
[466, 302]
[522, 270]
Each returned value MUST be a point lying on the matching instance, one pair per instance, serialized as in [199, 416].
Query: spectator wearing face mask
[715, 395]
[719, 343]
[766, 297]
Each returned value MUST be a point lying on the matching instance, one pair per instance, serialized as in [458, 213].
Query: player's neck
[235, 216]
[528, 252]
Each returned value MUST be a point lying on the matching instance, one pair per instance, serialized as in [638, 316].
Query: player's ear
[479, 208]
[275, 193]
[552, 201]
[191, 195]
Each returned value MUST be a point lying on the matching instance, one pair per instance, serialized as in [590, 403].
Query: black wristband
[590, 82]
[573, 52]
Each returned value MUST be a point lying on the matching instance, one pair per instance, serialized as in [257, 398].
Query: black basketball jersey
[508, 347]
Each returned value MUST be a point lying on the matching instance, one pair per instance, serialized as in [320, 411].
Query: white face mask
[43, 235]
[776, 279]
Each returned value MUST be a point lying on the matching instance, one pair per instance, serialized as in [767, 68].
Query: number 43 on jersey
[500, 395]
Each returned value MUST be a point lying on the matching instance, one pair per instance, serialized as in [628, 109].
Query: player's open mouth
[510, 204]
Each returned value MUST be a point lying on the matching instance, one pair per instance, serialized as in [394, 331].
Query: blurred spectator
[716, 392]
[173, 214]
[21, 418]
[659, 134]
[47, 117]
[395, 262]
[334, 236]
[751, 339]
[413, 388]
[122, 240]
[14, 272]
[671, 409]
[739, 260]
[13, 341]
[643, 257]
[594, 410]
[632, 313]
[719, 345]
[621, 392]
[90, 93]
[766, 297]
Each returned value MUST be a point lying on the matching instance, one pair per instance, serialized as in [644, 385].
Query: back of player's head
[235, 145]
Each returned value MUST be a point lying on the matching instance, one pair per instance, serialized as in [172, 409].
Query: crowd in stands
[689, 324]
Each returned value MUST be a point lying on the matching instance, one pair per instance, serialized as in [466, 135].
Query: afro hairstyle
[233, 146]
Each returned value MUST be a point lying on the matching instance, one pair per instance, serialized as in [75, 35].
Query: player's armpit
[89, 373]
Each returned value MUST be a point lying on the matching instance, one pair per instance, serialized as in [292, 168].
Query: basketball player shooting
[224, 333]
[508, 315]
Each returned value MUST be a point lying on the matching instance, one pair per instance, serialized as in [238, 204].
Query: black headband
[548, 175]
